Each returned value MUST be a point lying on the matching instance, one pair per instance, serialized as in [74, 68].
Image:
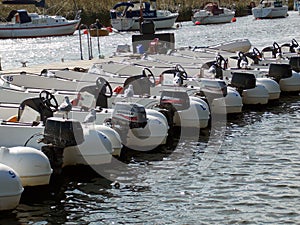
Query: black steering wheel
[294, 43]
[257, 53]
[179, 68]
[102, 84]
[221, 61]
[277, 48]
[242, 57]
[149, 75]
[48, 100]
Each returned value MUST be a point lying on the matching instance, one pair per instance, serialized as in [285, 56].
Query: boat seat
[141, 84]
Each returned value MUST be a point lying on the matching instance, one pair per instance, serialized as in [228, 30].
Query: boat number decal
[12, 174]
[9, 78]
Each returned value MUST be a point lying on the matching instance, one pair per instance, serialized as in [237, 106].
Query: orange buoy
[233, 19]
[197, 23]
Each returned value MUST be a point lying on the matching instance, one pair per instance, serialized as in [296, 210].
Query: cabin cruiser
[270, 9]
[212, 14]
[21, 24]
[134, 12]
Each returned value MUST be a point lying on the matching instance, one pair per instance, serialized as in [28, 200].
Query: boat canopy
[37, 3]
[23, 16]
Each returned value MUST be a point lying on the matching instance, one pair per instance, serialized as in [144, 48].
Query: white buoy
[32, 165]
[10, 188]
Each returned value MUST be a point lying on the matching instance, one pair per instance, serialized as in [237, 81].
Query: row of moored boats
[61, 117]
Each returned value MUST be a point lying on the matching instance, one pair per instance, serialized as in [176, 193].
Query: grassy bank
[93, 9]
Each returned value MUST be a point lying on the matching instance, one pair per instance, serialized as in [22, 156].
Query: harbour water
[250, 177]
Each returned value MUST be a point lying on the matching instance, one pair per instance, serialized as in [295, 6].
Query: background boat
[270, 9]
[212, 14]
[131, 16]
[21, 24]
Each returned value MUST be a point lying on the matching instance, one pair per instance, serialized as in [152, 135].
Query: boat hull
[131, 24]
[30, 30]
[10, 188]
[264, 13]
[213, 19]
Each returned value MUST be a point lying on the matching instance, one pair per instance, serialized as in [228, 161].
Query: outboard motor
[213, 89]
[59, 134]
[295, 63]
[243, 81]
[176, 99]
[147, 27]
[129, 115]
[280, 71]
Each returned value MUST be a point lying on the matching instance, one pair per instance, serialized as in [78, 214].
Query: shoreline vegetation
[95, 9]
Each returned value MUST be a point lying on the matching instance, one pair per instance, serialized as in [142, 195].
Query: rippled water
[253, 178]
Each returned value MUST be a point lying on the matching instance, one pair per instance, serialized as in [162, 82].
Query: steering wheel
[242, 57]
[102, 83]
[219, 60]
[276, 47]
[179, 68]
[150, 74]
[48, 100]
[295, 43]
[257, 53]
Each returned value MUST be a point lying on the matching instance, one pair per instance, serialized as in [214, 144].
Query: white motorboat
[239, 63]
[21, 24]
[141, 85]
[157, 125]
[270, 9]
[92, 147]
[212, 14]
[131, 16]
[117, 73]
[32, 165]
[286, 72]
[10, 188]
[245, 83]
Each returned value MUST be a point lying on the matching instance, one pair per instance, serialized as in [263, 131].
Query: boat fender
[197, 23]
[109, 29]
[118, 89]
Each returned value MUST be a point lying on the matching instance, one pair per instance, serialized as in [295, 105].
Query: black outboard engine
[59, 134]
[280, 71]
[243, 81]
[170, 102]
[295, 63]
[63, 133]
[147, 27]
[177, 99]
[129, 115]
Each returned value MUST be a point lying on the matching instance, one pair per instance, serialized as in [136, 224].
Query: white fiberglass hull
[30, 30]
[31, 164]
[130, 24]
[213, 19]
[10, 188]
[96, 149]
[270, 12]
